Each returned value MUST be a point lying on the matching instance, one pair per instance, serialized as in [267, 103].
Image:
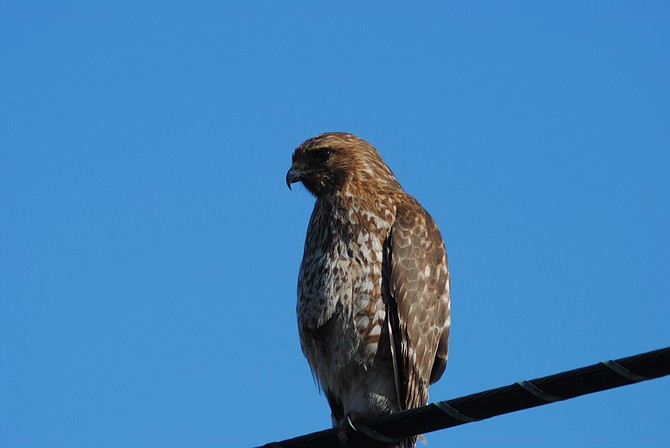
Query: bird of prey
[373, 289]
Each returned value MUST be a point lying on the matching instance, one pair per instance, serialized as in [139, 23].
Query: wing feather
[417, 296]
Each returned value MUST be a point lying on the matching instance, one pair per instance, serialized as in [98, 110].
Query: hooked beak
[292, 177]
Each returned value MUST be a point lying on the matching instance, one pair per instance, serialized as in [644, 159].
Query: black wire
[503, 400]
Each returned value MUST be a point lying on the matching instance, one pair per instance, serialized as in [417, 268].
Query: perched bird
[373, 289]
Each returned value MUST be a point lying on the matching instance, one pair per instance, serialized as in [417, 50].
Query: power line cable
[502, 400]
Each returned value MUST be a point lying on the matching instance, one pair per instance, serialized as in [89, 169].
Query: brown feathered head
[329, 162]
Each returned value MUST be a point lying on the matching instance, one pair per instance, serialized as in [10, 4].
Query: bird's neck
[361, 207]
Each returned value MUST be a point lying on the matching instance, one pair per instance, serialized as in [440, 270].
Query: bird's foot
[353, 432]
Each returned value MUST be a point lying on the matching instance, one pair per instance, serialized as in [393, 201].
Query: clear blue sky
[149, 247]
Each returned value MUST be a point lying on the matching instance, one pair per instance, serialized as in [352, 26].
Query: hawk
[373, 289]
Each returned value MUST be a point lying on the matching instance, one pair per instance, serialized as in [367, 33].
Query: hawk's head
[329, 162]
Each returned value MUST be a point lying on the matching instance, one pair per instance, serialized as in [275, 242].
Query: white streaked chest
[341, 273]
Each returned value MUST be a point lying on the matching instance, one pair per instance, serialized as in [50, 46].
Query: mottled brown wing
[417, 294]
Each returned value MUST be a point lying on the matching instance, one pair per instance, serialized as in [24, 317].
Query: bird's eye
[322, 155]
